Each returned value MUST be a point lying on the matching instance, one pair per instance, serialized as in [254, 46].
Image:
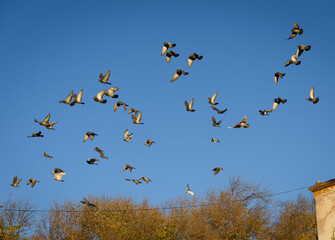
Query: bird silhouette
[243, 123]
[38, 134]
[277, 101]
[166, 46]
[296, 30]
[193, 57]
[16, 182]
[189, 106]
[177, 74]
[312, 97]
[104, 78]
[170, 54]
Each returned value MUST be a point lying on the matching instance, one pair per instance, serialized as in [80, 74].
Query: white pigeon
[58, 176]
[189, 190]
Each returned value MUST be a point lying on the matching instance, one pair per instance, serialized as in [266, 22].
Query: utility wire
[145, 209]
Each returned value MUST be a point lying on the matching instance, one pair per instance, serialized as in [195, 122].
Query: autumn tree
[296, 220]
[16, 219]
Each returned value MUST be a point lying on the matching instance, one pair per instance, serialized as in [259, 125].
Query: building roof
[319, 185]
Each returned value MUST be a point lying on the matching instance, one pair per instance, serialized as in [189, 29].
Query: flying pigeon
[16, 182]
[296, 30]
[218, 111]
[126, 167]
[147, 180]
[68, 99]
[110, 92]
[127, 136]
[89, 135]
[189, 190]
[193, 57]
[38, 134]
[87, 203]
[243, 123]
[166, 46]
[104, 79]
[46, 123]
[277, 101]
[137, 120]
[217, 170]
[301, 49]
[32, 182]
[58, 176]
[278, 75]
[149, 142]
[47, 155]
[77, 98]
[265, 112]
[212, 99]
[92, 161]
[99, 97]
[189, 106]
[215, 140]
[293, 60]
[134, 180]
[170, 54]
[215, 124]
[118, 104]
[312, 97]
[177, 74]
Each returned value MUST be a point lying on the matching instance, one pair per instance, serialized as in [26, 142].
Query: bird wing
[275, 105]
[116, 106]
[86, 137]
[190, 62]
[33, 182]
[79, 96]
[214, 97]
[46, 120]
[126, 133]
[168, 58]
[106, 77]
[69, 97]
[18, 181]
[14, 179]
[175, 77]
[295, 26]
[214, 108]
[213, 119]
[29, 181]
[188, 188]
[311, 93]
[245, 119]
[139, 117]
[299, 52]
[292, 35]
[101, 94]
[164, 49]
[288, 62]
[276, 79]
[187, 105]
[191, 103]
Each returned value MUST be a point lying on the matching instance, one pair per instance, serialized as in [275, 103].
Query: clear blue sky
[48, 48]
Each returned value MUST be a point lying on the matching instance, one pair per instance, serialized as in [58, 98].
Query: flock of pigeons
[136, 116]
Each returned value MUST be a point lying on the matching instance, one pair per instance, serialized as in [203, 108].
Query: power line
[146, 209]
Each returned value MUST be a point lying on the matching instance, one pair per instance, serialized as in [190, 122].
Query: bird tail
[301, 31]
